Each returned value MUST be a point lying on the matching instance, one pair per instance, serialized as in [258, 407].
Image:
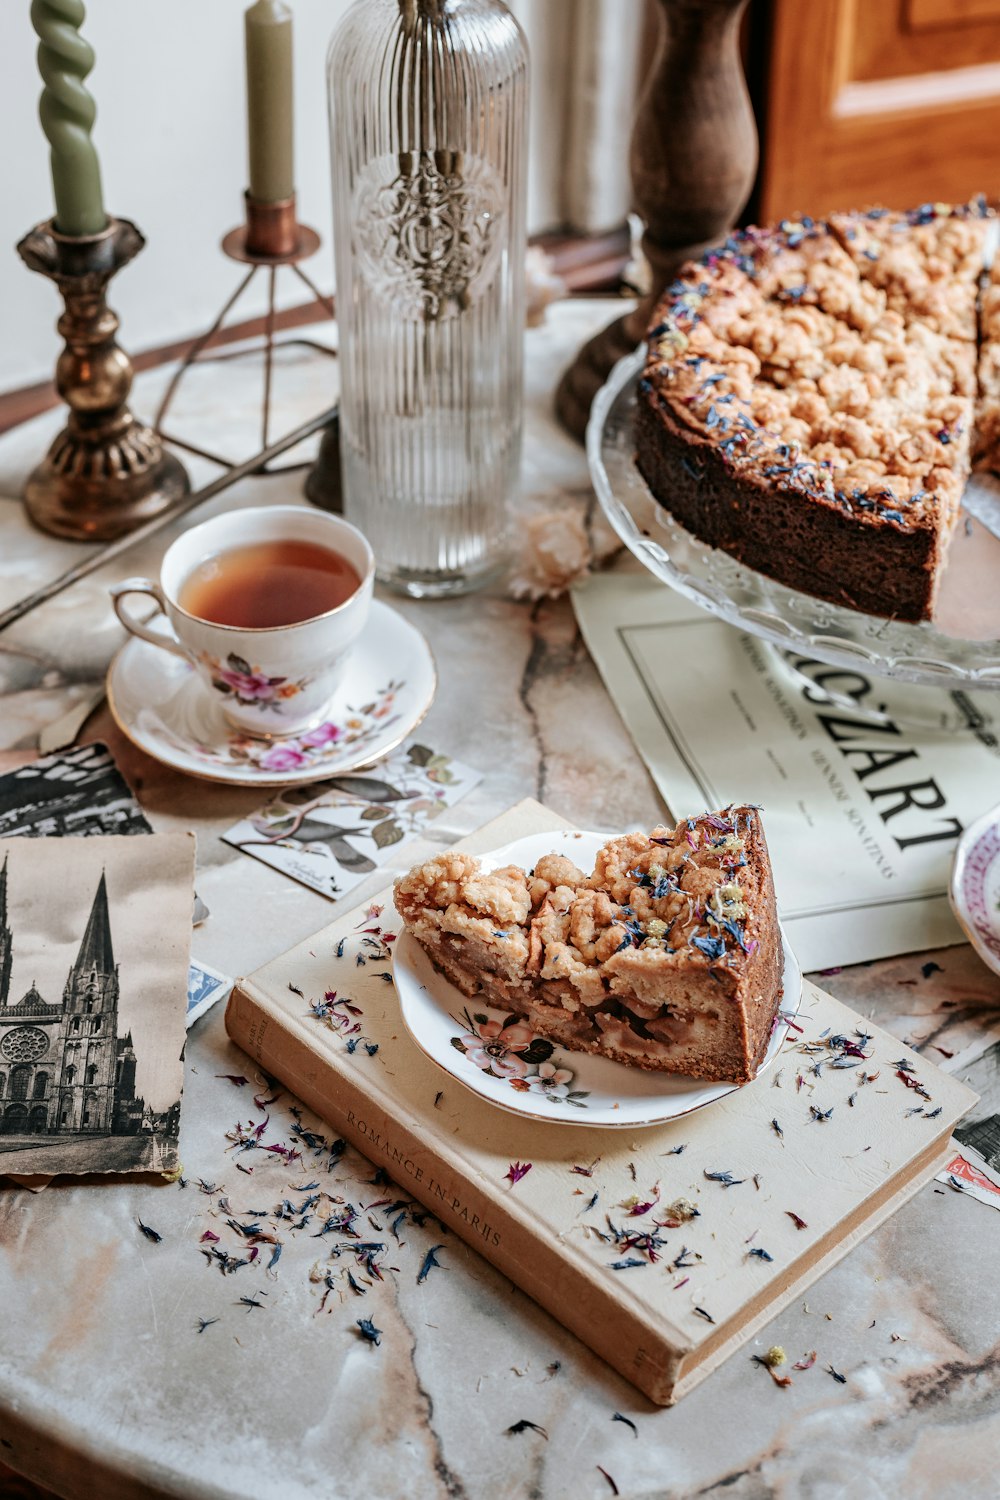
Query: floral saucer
[159, 702]
[975, 887]
[499, 1057]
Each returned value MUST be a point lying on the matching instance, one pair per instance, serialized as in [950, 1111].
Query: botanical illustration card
[861, 812]
[334, 833]
[94, 945]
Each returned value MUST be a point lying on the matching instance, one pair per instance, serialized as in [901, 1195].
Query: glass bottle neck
[413, 11]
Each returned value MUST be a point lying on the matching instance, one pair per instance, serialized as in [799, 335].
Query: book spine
[537, 1266]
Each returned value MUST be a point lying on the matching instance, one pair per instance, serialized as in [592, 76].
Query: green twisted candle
[67, 114]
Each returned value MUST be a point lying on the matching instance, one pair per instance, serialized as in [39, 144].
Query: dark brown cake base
[807, 543]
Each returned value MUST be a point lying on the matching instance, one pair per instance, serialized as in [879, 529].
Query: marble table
[107, 1387]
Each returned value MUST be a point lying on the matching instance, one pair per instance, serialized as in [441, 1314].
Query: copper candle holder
[106, 473]
[270, 238]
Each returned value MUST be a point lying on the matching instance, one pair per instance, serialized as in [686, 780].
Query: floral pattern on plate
[509, 1049]
[319, 746]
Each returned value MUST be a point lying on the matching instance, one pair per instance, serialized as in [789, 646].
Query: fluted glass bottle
[428, 119]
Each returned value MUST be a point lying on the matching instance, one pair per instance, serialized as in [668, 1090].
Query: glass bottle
[428, 122]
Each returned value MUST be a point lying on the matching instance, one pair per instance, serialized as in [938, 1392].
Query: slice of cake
[927, 261]
[808, 402]
[668, 956]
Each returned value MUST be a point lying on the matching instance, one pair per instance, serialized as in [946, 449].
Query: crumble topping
[836, 360]
[927, 262]
[674, 895]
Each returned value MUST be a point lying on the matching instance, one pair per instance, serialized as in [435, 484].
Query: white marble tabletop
[107, 1387]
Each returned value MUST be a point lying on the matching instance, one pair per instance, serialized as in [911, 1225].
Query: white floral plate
[498, 1057]
[159, 702]
[975, 887]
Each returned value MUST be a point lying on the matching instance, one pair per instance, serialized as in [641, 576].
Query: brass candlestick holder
[270, 238]
[106, 473]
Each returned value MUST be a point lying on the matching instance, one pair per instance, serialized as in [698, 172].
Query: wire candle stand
[270, 240]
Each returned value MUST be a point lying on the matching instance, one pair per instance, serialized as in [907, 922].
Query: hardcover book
[663, 1248]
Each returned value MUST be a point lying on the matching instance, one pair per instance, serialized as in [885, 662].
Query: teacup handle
[137, 627]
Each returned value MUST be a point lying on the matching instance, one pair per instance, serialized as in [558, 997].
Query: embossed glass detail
[25, 1044]
[429, 237]
[428, 102]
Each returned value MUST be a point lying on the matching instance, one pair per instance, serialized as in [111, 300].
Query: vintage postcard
[332, 834]
[79, 791]
[974, 1168]
[968, 1171]
[94, 947]
[862, 816]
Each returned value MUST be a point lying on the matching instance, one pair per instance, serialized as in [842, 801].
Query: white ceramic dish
[597, 1092]
[975, 886]
[160, 703]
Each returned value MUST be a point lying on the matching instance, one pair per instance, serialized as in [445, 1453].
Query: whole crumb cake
[810, 395]
[668, 956]
[987, 434]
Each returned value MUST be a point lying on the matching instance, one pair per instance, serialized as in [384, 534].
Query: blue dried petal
[431, 1263]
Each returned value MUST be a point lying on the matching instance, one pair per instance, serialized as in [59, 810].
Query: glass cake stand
[958, 650]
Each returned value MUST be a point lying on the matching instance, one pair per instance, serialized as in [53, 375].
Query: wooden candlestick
[693, 158]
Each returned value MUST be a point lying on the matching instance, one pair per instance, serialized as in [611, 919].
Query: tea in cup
[266, 605]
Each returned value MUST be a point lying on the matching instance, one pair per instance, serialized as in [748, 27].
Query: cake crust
[666, 957]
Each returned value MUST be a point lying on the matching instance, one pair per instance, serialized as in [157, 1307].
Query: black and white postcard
[94, 945]
[79, 791]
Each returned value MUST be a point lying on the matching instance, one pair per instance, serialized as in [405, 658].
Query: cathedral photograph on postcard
[90, 1073]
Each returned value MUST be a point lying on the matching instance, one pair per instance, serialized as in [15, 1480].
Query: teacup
[269, 680]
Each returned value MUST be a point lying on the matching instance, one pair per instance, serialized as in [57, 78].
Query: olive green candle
[268, 31]
[67, 114]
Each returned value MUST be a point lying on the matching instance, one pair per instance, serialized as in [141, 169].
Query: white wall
[170, 133]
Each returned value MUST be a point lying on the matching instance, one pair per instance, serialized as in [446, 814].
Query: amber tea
[265, 584]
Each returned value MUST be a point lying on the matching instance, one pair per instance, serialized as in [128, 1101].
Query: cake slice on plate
[667, 956]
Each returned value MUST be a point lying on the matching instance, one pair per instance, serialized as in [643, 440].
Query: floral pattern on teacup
[250, 686]
[509, 1050]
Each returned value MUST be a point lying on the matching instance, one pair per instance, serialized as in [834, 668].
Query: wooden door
[879, 101]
